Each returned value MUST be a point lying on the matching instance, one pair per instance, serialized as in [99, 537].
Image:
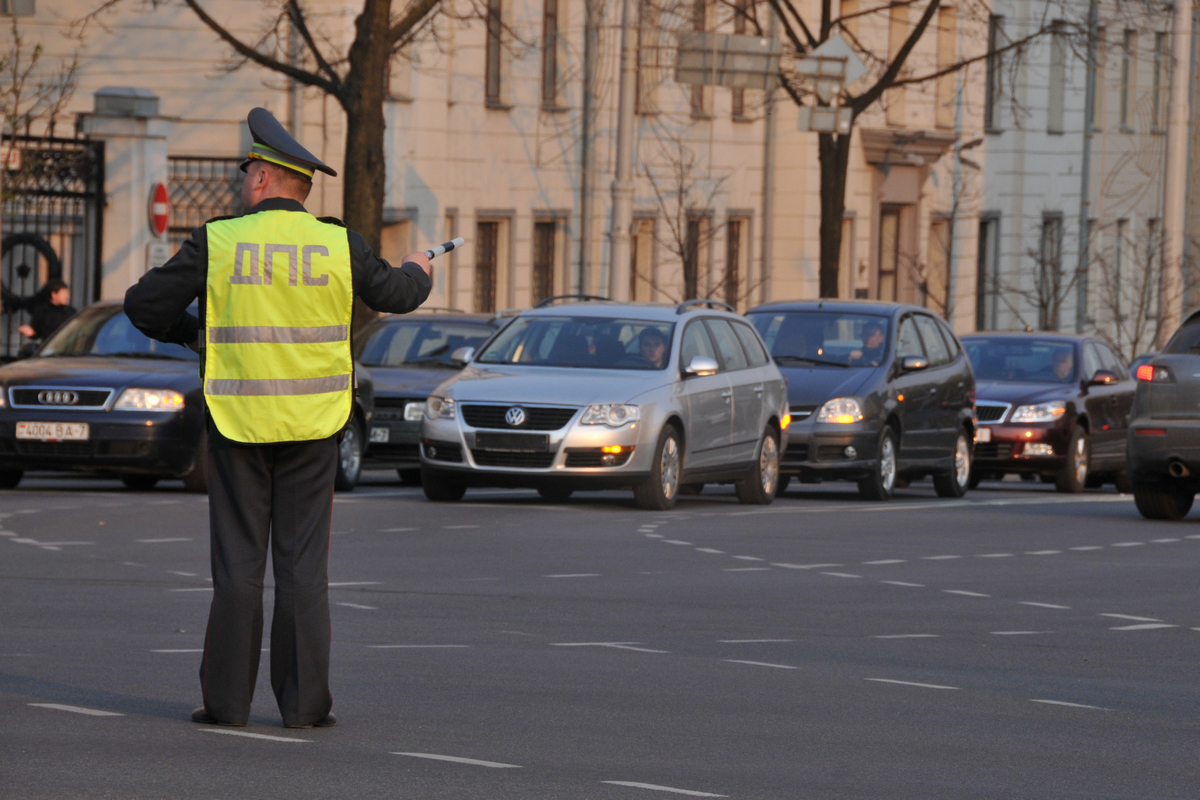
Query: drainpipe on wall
[622, 187]
[587, 154]
[1175, 185]
[768, 201]
[1085, 172]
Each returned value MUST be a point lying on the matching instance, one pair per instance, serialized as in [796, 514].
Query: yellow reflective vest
[279, 297]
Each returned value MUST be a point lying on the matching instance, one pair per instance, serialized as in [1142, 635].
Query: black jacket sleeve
[382, 287]
[157, 304]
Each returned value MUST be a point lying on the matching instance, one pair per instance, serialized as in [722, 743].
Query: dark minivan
[878, 392]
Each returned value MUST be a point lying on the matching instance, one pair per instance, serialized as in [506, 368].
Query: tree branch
[974, 59]
[416, 12]
[307, 78]
[297, 18]
[865, 99]
[778, 6]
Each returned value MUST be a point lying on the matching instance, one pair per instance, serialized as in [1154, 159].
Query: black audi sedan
[1052, 405]
[100, 396]
[1164, 428]
[878, 392]
[408, 356]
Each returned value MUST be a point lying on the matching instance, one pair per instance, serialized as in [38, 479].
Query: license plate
[53, 431]
[513, 442]
[380, 434]
[983, 435]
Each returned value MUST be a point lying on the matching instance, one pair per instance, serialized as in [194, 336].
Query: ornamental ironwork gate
[201, 187]
[53, 206]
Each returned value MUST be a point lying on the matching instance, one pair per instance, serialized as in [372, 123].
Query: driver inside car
[872, 349]
[653, 346]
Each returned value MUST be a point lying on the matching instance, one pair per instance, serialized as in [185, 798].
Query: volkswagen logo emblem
[515, 416]
[58, 398]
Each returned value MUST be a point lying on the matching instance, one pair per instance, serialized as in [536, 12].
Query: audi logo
[515, 416]
[58, 398]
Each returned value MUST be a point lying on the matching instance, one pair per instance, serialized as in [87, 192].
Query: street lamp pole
[620, 250]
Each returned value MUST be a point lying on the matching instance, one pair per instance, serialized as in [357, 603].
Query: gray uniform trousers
[285, 491]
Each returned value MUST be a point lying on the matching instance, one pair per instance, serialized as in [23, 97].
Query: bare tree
[1042, 286]
[28, 93]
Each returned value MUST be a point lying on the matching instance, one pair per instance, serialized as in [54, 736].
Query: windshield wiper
[811, 361]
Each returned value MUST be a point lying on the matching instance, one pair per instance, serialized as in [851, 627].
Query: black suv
[879, 392]
[1164, 428]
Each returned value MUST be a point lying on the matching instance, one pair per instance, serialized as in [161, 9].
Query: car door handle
[933, 390]
[758, 390]
[727, 395]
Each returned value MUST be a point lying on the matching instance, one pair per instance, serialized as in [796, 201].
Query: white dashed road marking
[841, 575]
[165, 541]
[995, 555]
[803, 566]
[905, 583]
[908, 636]
[1017, 633]
[1131, 617]
[356, 605]
[475, 762]
[759, 664]
[676, 541]
[751, 641]
[614, 645]
[749, 558]
[1070, 705]
[575, 575]
[1143, 626]
[1164, 541]
[965, 593]
[656, 788]
[1042, 552]
[353, 583]
[885, 561]
[911, 683]
[1128, 544]
[710, 550]
[938, 558]
[1089, 547]
[746, 569]
[1043, 605]
[248, 735]
[91, 712]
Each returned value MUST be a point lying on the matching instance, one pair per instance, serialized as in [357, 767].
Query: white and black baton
[445, 248]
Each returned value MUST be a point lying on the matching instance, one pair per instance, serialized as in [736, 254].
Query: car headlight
[414, 411]
[1039, 412]
[150, 400]
[440, 408]
[841, 410]
[614, 415]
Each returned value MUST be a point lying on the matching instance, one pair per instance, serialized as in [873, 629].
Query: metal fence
[52, 206]
[201, 187]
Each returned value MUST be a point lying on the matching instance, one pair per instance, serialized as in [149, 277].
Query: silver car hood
[550, 385]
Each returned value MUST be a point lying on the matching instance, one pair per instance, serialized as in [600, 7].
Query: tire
[410, 476]
[350, 452]
[759, 487]
[1073, 477]
[956, 482]
[1123, 482]
[9, 478]
[140, 483]
[441, 488]
[555, 494]
[659, 491]
[195, 480]
[882, 482]
[784, 480]
[691, 488]
[1155, 502]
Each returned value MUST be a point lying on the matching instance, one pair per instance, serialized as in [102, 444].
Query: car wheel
[140, 483]
[441, 488]
[758, 488]
[555, 494]
[349, 465]
[1073, 477]
[956, 482]
[659, 491]
[784, 480]
[195, 480]
[691, 488]
[410, 477]
[9, 478]
[1155, 502]
[1123, 482]
[882, 482]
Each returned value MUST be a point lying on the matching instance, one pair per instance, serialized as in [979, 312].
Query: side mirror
[914, 363]
[462, 356]
[701, 366]
[1104, 377]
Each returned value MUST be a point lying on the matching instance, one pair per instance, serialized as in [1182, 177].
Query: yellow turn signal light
[616, 449]
[787, 420]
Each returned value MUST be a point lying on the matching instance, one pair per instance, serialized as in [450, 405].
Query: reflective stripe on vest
[279, 298]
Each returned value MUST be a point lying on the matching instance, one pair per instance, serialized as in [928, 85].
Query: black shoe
[201, 715]
[328, 721]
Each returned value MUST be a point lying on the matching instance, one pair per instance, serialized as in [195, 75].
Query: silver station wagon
[597, 395]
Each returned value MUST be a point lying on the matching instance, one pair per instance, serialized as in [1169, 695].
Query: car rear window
[1186, 340]
[1032, 360]
[416, 342]
[582, 342]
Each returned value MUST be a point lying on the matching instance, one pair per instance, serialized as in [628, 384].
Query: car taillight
[1148, 372]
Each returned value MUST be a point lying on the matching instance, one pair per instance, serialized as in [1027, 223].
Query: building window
[947, 52]
[1099, 88]
[550, 53]
[1153, 277]
[487, 257]
[1049, 288]
[1128, 76]
[691, 256]
[1058, 77]
[649, 47]
[995, 67]
[741, 8]
[1119, 269]
[889, 252]
[641, 268]
[545, 235]
[701, 95]
[495, 26]
[846, 257]
[737, 239]
[935, 288]
[897, 34]
[987, 273]
[1162, 83]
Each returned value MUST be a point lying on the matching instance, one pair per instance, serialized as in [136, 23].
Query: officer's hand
[420, 259]
[27, 331]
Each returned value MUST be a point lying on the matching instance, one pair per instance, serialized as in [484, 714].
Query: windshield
[824, 338]
[1033, 360]
[106, 331]
[589, 342]
[428, 342]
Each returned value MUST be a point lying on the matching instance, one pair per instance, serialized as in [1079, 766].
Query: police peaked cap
[274, 144]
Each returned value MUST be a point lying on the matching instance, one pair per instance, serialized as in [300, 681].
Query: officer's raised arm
[384, 288]
[157, 303]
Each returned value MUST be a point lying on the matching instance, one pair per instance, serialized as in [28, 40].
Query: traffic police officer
[276, 290]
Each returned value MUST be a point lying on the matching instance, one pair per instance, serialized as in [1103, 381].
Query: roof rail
[507, 312]
[717, 304]
[549, 301]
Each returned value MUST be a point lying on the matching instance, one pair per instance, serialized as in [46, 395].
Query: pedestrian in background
[48, 307]
[276, 288]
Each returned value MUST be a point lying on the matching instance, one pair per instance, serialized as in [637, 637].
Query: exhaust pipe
[1178, 469]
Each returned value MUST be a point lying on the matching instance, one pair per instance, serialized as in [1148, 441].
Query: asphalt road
[1014, 644]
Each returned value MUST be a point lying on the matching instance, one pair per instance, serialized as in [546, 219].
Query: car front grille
[55, 449]
[55, 397]
[503, 458]
[537, 418]
[991, 412]
[993, 450]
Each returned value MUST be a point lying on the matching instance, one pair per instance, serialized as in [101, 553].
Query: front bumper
[118, 441]
[1008, 447]
[1151, 453]
[400, 450]
[818, 451]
